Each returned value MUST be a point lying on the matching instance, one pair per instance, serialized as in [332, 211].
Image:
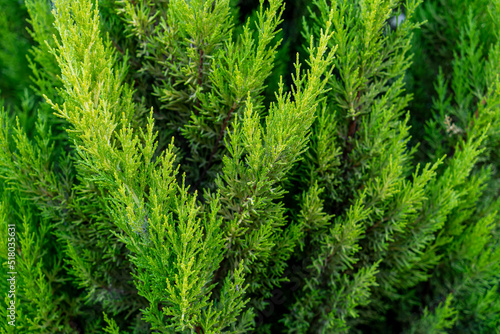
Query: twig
[217, 142]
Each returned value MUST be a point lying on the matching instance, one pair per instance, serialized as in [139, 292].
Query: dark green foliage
[14, 45]
[250, 166]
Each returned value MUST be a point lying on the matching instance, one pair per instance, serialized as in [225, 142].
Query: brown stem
[374, 226]
[200, 81]
[351, 132]
[217, 142]
[135, 63]
[200, 69]
[476, 113]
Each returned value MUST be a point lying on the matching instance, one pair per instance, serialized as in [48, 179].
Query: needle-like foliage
[195, 166]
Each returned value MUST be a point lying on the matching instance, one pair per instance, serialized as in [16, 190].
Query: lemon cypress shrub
[165, 173]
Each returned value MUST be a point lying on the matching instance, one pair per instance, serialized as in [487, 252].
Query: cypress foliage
[250, 167]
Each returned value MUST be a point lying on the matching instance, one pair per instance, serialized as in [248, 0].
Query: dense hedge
[225, 166]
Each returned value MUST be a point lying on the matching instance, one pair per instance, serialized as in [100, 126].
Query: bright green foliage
[174, 166]
[202, 70]
[370, 154]
[443, 318]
